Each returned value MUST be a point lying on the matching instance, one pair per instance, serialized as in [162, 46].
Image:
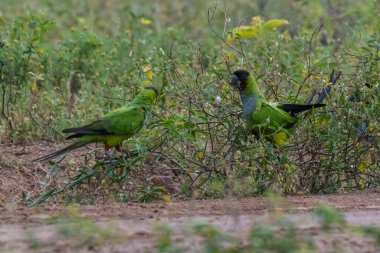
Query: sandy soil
[133, 226]
[18, 174]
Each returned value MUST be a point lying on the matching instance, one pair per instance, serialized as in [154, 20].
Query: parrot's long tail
[63, 151]
[326, 91]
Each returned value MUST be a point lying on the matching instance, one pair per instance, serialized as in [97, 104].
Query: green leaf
[43, 197]
[78, 179]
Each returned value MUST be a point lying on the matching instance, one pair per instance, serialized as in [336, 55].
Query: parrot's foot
[118, 147]
[125, 152]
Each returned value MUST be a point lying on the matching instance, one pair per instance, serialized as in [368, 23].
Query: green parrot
[112, 128]
[265, 119]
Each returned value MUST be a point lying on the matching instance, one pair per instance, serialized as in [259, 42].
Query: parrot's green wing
[276, 122]
[270, 118]
[124, 121]
[95, 128]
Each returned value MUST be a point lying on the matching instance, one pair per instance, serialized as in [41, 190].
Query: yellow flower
[200, 155]
[255, 28]
[180, 123]
[148, 71]
[304, 73]
[371, 127]
[32, 86]
[229, 52]
[40, 50]
[226, 86]
[118, 170]
[287, 166]
[145, 21]
[362, 167]
[229, 39]
[166, 197]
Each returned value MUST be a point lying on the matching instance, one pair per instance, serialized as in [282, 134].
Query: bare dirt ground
[116, 227]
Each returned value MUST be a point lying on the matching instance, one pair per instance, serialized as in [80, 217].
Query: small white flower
[218, 99]
[273, 103]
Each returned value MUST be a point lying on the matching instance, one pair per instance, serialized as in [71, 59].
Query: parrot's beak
[235, 82]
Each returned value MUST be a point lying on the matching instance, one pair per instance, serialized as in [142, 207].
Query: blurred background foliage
[65, 63]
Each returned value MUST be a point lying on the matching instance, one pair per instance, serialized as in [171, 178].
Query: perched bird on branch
[114, 127]
[265, 119]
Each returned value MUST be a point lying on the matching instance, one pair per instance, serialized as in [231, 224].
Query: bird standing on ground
[273, 122]
[113, 128]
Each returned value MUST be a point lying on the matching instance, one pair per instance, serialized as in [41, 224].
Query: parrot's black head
[239, 79]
